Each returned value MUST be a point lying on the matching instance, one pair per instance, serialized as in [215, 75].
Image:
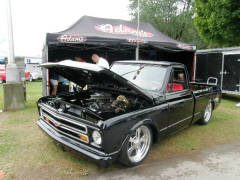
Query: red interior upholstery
[175, 87]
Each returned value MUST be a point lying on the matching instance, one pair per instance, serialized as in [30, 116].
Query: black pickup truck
[117, 114]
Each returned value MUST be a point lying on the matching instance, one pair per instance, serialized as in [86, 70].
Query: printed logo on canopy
[184, 46]
[136, 41]
[71, 39]
[121, 29]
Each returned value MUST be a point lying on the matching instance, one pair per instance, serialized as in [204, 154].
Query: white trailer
[31, 66]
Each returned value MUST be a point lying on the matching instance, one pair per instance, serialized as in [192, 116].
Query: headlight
[97, 137]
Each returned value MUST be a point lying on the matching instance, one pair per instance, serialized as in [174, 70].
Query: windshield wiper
[128, 73]
[138, 71]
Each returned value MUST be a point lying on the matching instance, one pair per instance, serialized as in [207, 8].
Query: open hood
[85, 73]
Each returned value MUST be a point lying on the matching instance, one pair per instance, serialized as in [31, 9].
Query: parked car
[31, 76]
[28, 76]
[2, 73]
[117, 114]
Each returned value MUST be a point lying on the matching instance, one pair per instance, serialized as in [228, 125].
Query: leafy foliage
[218, 21]
[172, 17]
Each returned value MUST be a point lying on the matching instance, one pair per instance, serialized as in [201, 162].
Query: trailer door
[208, 65]
[231, 72]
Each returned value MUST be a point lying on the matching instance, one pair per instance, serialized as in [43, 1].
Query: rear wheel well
[213, 104]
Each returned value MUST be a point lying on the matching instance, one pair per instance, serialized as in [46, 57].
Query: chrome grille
[64, 124]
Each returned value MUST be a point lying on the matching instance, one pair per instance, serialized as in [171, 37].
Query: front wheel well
[154, 133]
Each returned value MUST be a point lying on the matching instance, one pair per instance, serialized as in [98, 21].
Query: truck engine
[99, 104]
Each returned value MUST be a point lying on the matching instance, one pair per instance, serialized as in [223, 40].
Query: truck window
[177, 80]
[145, 76]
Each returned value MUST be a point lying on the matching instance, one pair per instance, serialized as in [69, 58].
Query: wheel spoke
[132, 139]
[130, 151]
[143, 139]
[138, 133]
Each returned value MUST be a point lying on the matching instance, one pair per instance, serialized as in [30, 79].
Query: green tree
[218, 21]
[172, 17]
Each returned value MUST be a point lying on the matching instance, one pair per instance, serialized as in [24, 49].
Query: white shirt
[103, 62]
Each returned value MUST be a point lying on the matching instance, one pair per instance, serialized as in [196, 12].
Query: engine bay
[94, 104]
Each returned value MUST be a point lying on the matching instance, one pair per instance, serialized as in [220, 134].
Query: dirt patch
[1, 174]
[2, 115]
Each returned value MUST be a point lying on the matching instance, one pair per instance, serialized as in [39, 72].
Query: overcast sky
[32, 19]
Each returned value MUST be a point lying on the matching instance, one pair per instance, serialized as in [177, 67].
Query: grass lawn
[27, 153]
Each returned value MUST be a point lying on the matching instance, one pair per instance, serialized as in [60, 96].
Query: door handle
[224, 72]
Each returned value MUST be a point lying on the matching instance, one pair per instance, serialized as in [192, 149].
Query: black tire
[207, 114]
[137, 146]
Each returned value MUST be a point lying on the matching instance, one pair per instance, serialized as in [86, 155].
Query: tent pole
[137, 48]
[12, 72]
[137, 53]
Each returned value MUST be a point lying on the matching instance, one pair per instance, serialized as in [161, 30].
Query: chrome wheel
[137, 146]
[207, 114]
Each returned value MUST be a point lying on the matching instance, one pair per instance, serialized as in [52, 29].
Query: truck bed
[199, 86]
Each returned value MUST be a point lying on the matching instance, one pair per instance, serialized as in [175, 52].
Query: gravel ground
[218, 163]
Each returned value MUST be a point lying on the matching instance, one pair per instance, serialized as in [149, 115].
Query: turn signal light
[84, 138]
[48, 120]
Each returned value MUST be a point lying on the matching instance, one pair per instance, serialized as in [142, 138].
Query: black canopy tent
[116, 39]
[108, 35]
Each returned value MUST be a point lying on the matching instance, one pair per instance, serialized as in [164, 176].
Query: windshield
[145, 76]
